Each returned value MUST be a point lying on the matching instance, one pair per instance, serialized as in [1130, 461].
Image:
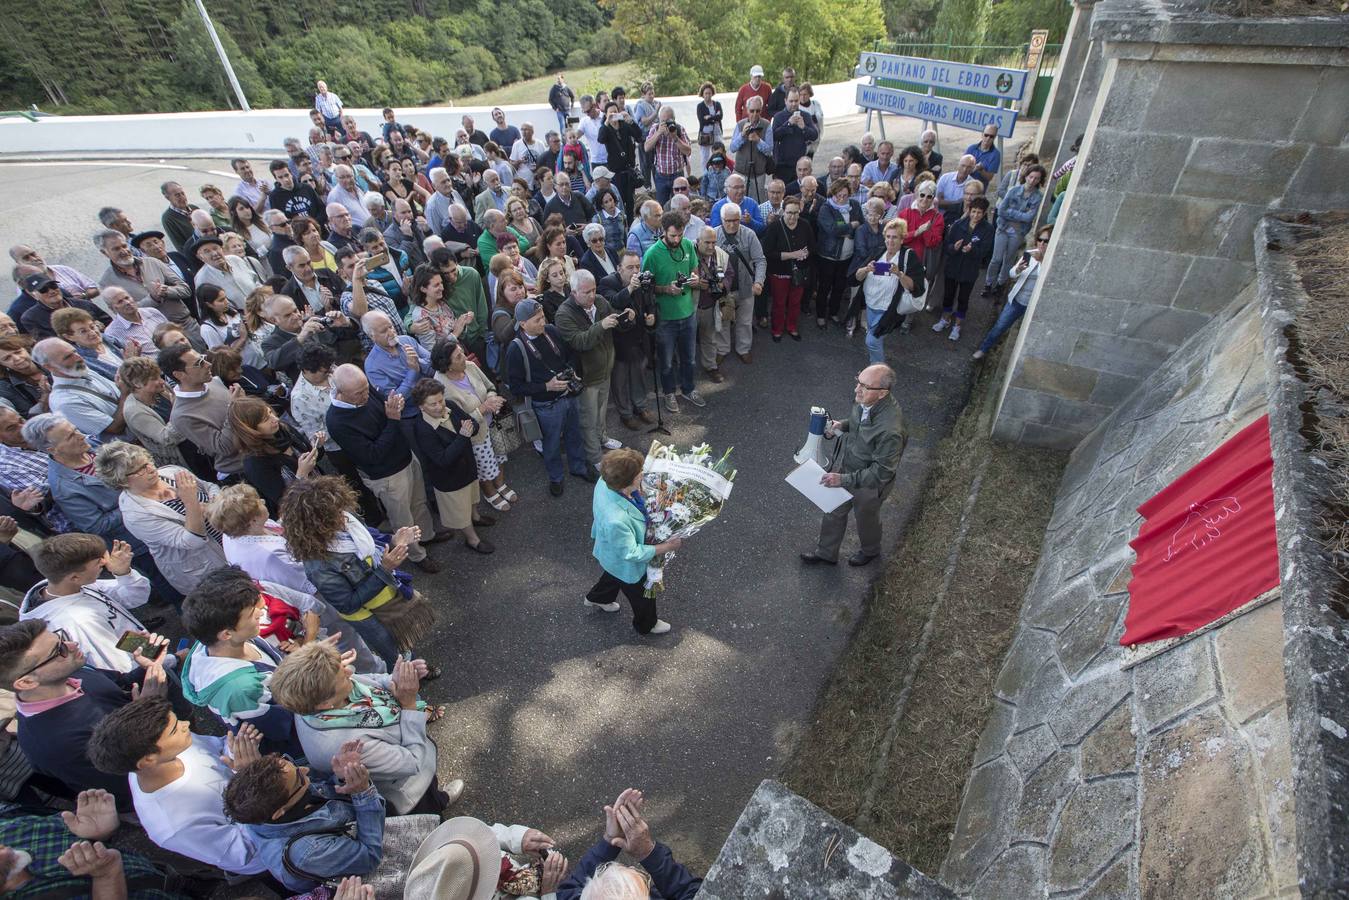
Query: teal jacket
[619, 532]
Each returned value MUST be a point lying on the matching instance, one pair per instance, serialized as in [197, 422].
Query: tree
[819, 38]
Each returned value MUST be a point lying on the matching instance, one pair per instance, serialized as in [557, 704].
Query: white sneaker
[955, 333]
[611, 444]
[538, 446]
[695, 398]
[940, 325]
[607, 607]
[671, 405]
[660, 627]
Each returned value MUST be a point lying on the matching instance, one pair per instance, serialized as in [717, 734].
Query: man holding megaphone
[873, 442]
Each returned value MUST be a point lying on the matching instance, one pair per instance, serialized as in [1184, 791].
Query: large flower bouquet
[683, 491]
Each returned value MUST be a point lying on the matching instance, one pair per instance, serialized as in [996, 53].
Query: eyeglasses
[597, 239]
[199, 362]
[60, 651]
[49, 289]
[866, 387]
[681, 190]
[1041, 240]
[923, 195]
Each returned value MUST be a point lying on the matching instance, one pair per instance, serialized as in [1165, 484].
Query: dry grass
[916, 806]
[1323, 343]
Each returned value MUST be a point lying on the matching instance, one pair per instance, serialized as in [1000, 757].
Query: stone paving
[1169, 779]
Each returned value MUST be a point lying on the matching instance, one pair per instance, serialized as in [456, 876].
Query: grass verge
[535, 90]
[918, 798]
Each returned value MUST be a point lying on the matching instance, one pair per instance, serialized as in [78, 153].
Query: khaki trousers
[404, 497]
[594, 404]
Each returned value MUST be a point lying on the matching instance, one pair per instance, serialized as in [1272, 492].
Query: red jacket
[915, 220]
[765, 91]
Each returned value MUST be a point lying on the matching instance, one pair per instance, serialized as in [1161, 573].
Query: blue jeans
[560, 422]
[875, 343]
[664, 185]
[681, 334]
[1006, 248]
[1006, 319]
[561, 125]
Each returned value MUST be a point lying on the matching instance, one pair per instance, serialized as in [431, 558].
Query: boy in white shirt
[91, 610]
[178, 781]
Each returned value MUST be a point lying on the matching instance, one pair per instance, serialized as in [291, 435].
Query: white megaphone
[813, 448]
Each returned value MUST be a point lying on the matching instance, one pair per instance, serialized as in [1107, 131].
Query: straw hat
[460, 860]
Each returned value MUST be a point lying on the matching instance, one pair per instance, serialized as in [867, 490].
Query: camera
[645, 279]
[573, 381]
[672, 127]
[718, 286]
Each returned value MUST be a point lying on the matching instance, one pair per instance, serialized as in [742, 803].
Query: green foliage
[909, 16]
[578, 59]
[151, 56]
[1012, 22]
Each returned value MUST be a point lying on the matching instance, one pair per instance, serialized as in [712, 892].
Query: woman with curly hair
[355, 567]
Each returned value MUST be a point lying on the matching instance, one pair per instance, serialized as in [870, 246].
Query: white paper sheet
[806, 479]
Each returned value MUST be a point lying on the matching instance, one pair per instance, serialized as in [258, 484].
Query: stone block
[1091, 632]
[1216, 99]
[1109, 748]
[1121, 160]
[1056, 610]
[1240, 221]
[1043, 796]
[984, 825]
[1035, 434]
[1031, 748]
[1165, 222]
[1087, 312]
[1094, 827]
[1320, 124]
[1058, 379]
[1091, 214]
[1212, 283]
[1129, 87]
[1269, 737]
[1025, 401]
[1175, 681]
[1087, 703]
[1120, 355]
[1250, 658]
[1028, 653]
[1320, 182]
[1041, 697]
[783, 846]
[1200, 805]
[1250, 171]
[1051, 341]
[996, 731]
[1113, 885]
[1136, 274]
[1018, 872]
[1078, 415]
[1161, 324]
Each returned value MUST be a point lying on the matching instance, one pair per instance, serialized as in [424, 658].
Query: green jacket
[593, 343]
[871, 450]
[467, 296]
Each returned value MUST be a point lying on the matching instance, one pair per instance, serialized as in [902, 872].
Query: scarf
[367, 706]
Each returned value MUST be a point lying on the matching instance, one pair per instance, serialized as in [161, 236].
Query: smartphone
[377, 260]
[183, 644]
[135, 642]
[882, 268]
[1025, 257]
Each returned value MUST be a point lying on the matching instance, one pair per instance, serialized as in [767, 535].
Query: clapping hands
[241, 747]
[625, 828]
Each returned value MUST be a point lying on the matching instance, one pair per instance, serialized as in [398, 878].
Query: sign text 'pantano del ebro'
[992, 81]
[957, 113]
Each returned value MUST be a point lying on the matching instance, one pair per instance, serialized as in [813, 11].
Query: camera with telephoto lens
[718, 286]
[672, 127]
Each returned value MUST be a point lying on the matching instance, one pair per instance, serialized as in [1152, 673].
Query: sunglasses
[60, 651]
[681, 190]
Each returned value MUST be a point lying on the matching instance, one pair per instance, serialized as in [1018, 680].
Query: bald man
[369, 430]
[871, 452]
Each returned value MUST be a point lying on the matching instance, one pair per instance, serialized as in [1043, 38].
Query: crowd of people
[226, 450]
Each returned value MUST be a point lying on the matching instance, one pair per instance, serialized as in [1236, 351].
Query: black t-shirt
[298, 201]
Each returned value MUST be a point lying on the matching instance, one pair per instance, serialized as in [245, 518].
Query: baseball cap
[716, 159]
[38, 282]
[525, 310]
[756, 70]
[601, 172]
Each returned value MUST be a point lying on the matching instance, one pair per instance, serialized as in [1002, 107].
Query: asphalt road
[555, 708]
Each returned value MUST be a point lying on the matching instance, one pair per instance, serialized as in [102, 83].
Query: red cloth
[1208, 542]
[914, 220]
[746, 91]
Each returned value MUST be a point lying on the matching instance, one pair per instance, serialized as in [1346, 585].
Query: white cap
[756, 70]
[601, 172]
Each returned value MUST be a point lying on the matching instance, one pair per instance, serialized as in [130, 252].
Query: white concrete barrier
[261, 132]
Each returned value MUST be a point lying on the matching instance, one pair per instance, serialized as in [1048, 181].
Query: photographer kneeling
[539, 368]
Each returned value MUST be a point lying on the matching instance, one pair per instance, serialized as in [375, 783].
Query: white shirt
[949, 190]
[89, 412]
[879, 290]
[530, 154]
[96, 617]
[309, 407]
[359, 214]
[237, 281]
[590, 130]
[265, 558]
[187, 816]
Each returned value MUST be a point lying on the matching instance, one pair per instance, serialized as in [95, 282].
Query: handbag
[504, 434]
[799, 274]
[526, 420]
[904, 304]
[410, 617]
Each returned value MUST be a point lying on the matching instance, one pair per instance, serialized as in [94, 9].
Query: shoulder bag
[799, 274]
[526, 420]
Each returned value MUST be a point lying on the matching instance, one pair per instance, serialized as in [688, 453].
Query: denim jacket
[329, 855]
[348, 582]
[1016, 210]
[833, 227]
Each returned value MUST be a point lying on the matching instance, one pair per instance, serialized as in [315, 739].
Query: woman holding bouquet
[619, 532]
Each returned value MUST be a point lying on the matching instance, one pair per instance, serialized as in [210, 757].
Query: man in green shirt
[673, 263]
[464, 294]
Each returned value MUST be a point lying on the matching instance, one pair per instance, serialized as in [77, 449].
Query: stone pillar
[1199, 126]
[1054, 132]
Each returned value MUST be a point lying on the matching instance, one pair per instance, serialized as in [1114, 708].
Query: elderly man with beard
[587, 323]
[751, 271]
[150, 282]
[92, 403]
[751, 145]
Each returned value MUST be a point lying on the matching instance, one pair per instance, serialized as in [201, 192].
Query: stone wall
[1198, 126]
[1169, 779]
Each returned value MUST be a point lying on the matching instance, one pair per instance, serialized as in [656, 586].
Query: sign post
[1034, 54]
[1003, 85]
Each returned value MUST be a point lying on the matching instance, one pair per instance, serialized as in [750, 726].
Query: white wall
[262, 131]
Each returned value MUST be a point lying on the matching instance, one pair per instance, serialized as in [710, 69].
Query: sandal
[498, 502]
[509, 495]
[432, 672]
[435, 713]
